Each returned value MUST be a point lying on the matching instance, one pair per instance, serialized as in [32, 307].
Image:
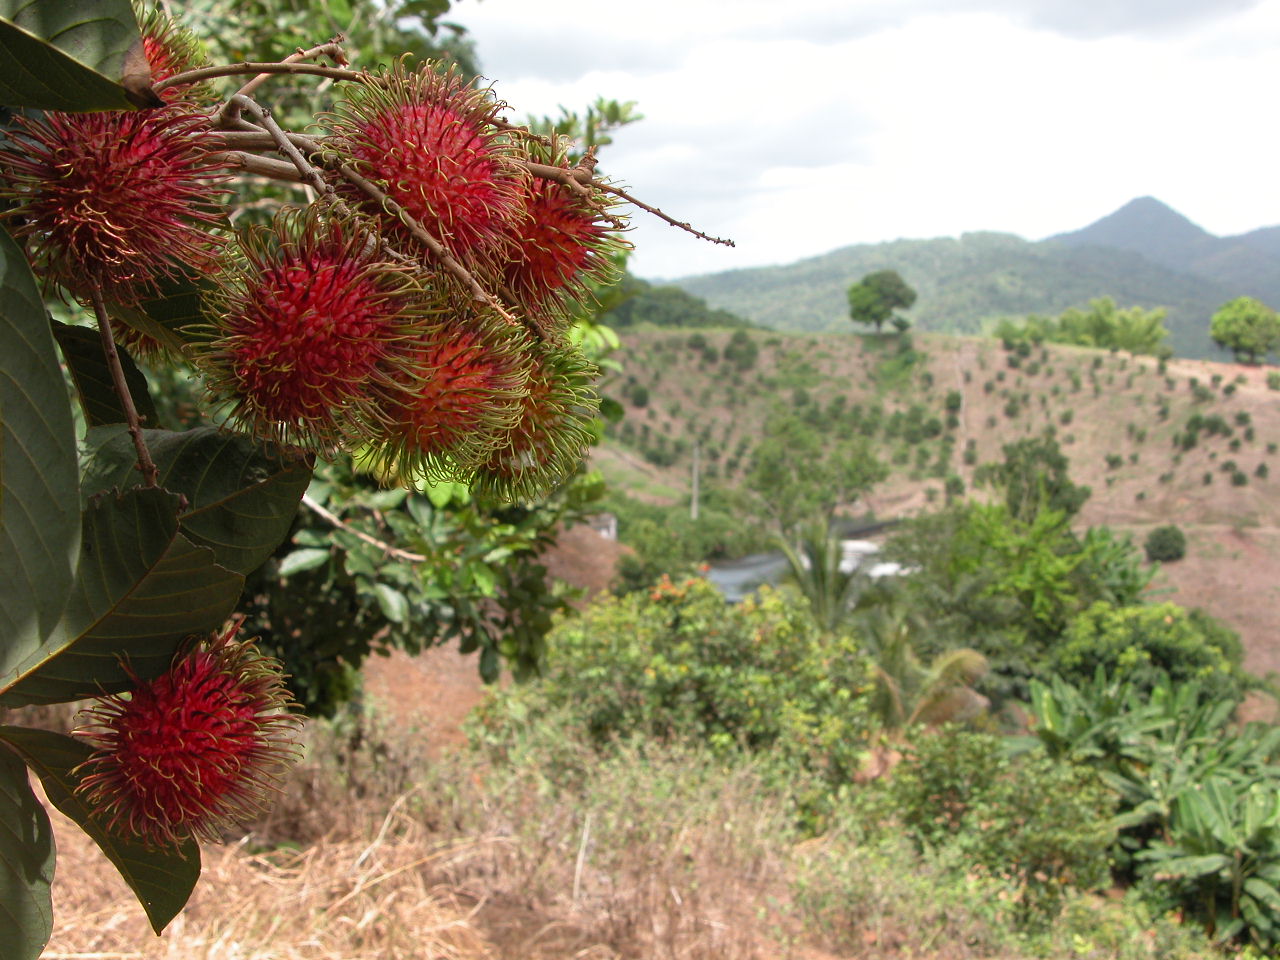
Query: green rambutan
[428, 140]
[313, 329]
[194, 751]
[554, 429]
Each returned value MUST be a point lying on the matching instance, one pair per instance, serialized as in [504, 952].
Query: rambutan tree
[413, 310]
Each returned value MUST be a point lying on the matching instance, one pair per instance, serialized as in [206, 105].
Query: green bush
[1165, 544]
[1035, 823]
[680, 664]
[1142, 643]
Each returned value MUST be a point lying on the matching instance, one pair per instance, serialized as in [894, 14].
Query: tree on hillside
[1247, 327]
[875, 297]
[800, 474]
[1032, 477]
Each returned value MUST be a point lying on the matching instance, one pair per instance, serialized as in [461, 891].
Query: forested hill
[1143, 255]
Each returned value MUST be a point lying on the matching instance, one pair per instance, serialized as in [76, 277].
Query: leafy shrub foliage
[679, 664]
[1035, 823]
[1166, 544]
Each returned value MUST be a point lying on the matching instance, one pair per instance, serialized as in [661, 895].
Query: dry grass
[338, 900]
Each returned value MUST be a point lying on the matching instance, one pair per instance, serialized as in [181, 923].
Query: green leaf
[394, 605]
[39, 525]
[306, 559]
[166, 317]
[241, 496]
[65, 54]
[141, 589]
[1264, 893]
[162, 877]
[26, 864]
[1192, 866]
[82, 351]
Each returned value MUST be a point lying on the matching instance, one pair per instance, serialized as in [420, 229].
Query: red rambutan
[467, 390]
[194, 751]
[171, 49]
[560, 246]
[553, 431]
[427, 138]
[116, 199]
[312, 329]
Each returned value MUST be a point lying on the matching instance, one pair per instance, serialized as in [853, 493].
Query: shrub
[1166, 544]
[1139, 644]
[680, 664]
[1033, 822]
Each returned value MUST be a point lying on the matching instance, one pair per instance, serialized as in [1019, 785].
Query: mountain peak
[1149, 227]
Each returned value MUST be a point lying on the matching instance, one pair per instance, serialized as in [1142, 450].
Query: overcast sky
[799, 126]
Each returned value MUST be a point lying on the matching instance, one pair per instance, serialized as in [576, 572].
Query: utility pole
[693, 500]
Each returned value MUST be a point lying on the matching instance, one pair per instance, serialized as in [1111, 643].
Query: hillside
[1116, 417]
[1142, 255]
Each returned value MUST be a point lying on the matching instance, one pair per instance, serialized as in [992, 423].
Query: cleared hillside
[1122, 422]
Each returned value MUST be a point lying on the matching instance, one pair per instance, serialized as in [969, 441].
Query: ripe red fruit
[558, 247]
[116, 199]
[171, 49]
[427, 139]
[467, 388]
[193, 751]
[312, 329]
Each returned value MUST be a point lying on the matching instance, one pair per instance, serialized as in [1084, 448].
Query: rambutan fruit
[553, 431]
[171, 49]
[194, 751]
[470, 374]
[558, 248]
[313, 327]
[116, 200]
[428, 140]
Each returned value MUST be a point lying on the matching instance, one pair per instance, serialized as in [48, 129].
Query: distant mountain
[1249, 263]
[1144, 254]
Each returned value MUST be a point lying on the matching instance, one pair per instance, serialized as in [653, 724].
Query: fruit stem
[150, 475]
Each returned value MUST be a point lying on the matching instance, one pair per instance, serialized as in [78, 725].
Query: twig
[310, 175]
[332, 49]
[150, 474]
[239, 69]
[262, 166]
[437, 249]
[609, 188]
[582, 858]
[333, 518]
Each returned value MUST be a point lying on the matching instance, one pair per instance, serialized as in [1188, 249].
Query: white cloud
[801, 127]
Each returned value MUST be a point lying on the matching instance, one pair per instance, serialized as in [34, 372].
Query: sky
[799, 126]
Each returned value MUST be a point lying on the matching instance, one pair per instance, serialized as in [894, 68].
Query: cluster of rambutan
[415, 316]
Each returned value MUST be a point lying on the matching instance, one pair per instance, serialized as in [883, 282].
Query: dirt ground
[435, 691]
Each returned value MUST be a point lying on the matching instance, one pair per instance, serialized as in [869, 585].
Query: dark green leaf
[82, 350]
[241, 496]
[65, 54]
[39, 525]
[141, 589]
[26, 865]
[168, 316]
[162, 877]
